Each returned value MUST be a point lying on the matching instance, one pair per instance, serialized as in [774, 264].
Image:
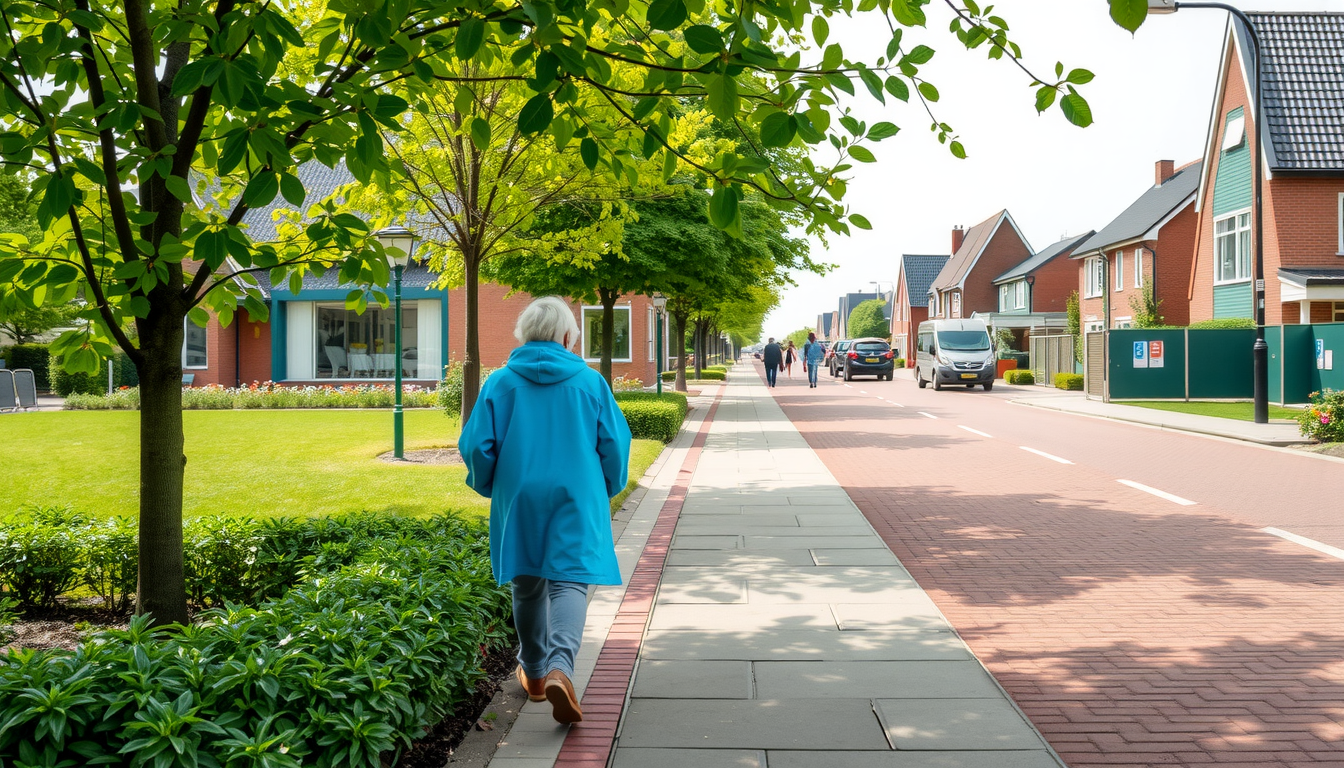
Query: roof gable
[1064, 247]
[919, 271]
[977, 238]
[1152, 208]
[1303, 84]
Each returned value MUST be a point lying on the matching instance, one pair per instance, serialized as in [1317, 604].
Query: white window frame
[652, 324]
[1119, 271]
[933, 305]
[1341, 225]
[1234, 131]
[1094, 274]
[956, 304]
[1243, 260]
[187, 327]
[1094, 327]
[583, 331]
[1338, 308]
[1138, 267]
[1020, 294]
[1124, 322]
[1004, 303]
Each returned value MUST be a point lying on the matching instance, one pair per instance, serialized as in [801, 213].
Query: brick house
[1150, 244]
[1303, 186]
[311, 338]
[911, 304]
[966, 283]
[1034, 295]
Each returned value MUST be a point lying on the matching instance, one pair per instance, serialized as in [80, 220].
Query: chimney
[958, 234]
[1165, 168]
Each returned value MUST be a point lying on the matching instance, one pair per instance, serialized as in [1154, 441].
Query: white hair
[547, 319]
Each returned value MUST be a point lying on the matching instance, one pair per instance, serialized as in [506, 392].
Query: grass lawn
[1240, 411]
[299, 462]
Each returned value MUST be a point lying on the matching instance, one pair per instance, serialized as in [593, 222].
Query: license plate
[870, 360]
[968, 376]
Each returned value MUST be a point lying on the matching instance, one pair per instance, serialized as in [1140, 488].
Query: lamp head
[659, 301]
[1031, 279]
[1157, 7]
[399, 243]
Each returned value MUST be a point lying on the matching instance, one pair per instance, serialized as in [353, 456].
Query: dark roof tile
[1303, 82]
[920, 271]
[1151, 207]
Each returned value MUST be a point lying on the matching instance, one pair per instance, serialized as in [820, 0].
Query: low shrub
[1323, 419]
[653, 417]
[1069, 381]
[110, 556]
[265, 395]
[345, 669]
[9, 616]
[1018, 376]
[41, 555]
[64, 383]
[450, 389]
[706, 374]
[1223, 323]
[899, 362]
[34, 357]
[627, 384]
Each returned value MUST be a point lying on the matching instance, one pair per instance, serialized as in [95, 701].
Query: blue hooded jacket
[548, 446]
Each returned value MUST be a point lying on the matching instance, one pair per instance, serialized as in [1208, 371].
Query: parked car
[834, 352]
[951, 352]
[868, 357]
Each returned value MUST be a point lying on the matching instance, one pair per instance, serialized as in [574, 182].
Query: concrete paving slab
[833, 588]
[995, 759]
[915, 611]
[722, 527]
[805, 644]
[767, 724]
[873, 679]
[869, 541]
[708, 523]
[707, 542]
[955, 724]
[716, 558]
[853, 557]
[771, 618]
[706, 590]
[693, 680]
[690, 758]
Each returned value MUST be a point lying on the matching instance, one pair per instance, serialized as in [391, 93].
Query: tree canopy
[866, 320]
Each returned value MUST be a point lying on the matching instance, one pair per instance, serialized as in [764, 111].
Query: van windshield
[964, 341]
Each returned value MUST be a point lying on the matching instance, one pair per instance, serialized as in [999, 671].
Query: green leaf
[177, 187]
[862, 154]
[920, 55]
[292, 189]
[667, 14]
[703, 38]
[536, 114]
[199, 316]
[958, 151]
[469, 37]
[211, 247]
[262, 189]
[723, 208]
[859, 221]
[882, 130]
[1129, 13]
[1076, 109]
[820, 30]
[832, 57]
[1045, 96]
[480, 133]
[588, 151]
[1080, 76]
[722, 97]
[928, 91]
[778, 129]
[897, 87]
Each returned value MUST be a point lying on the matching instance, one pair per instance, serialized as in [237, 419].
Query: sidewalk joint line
[975, 431]
[1173, 498]
[1304, 541]
[1049, 456]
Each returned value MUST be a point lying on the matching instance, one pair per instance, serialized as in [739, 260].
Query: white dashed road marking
[974, 431]
[1173, 498]
[1046, 455]
[926, 413]
[1308, 543]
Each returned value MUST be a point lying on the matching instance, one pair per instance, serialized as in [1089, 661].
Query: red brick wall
[1054, 282]
[1175, 248]
[1003, 252]
[243, 340]
[254, 349]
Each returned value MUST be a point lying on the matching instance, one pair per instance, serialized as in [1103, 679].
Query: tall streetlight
[659, 306]
[398, 243]
[1259, 350]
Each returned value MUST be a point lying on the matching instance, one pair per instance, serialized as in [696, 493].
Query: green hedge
[1070, 381]
[1018, 376]
[899, 362]
[382, 639]
[265, 396]
[31, 356]
[64, 384]
[706, 374]
[653, 417]
[1223, 323]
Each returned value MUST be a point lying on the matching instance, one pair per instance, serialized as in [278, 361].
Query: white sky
[1150, 101]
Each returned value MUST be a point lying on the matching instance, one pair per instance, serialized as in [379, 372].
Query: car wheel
[989, 386]
[937, 385]
[919, 380]
[849, 376]
[970, 386]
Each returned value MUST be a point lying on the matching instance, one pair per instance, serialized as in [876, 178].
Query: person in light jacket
[813, 354]
[547, 444]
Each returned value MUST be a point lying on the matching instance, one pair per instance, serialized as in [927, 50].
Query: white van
[951, 352]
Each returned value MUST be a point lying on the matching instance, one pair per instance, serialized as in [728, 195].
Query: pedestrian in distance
[773, 357]
[548, 446]
[813, 354]
[790, 354]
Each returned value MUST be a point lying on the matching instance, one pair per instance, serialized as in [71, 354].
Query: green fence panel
[1221, 364]
[1274, 338]
[1299, 363]
[1331, 336]
[1145, 382]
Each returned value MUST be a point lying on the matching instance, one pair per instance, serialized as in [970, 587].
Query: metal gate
[1051, 355]
[1094, 364]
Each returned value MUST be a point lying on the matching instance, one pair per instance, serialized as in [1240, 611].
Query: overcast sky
[1151, 101]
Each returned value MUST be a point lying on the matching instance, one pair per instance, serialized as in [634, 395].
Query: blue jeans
[812, 373]
[549, 616]
[771, 373]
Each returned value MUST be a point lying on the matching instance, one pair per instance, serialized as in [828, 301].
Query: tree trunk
[608, 298]
[699, 331]
[162, 591]
[679, 336]
[471, 352]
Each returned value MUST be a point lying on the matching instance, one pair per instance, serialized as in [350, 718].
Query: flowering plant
[627, 384]
[1323, 418]
[268, 394]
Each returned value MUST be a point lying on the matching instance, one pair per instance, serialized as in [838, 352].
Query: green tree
[866, 320]
[1073, 310]
[799, 337]
[1145, 305]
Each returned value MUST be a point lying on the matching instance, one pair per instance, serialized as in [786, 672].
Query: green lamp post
[399, 244]
[659, 307]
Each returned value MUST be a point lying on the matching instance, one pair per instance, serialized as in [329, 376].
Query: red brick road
[1131, 630]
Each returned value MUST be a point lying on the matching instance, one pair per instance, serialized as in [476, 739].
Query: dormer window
[1235, 132]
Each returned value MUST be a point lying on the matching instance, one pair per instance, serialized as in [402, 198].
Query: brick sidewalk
[1131, 631]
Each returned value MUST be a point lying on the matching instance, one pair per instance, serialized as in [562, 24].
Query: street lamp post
[1260, 349]
[399, 243]
[659, 306]
[1031, 293]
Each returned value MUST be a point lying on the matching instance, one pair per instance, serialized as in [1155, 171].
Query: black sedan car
[867, 357]
[834, 353]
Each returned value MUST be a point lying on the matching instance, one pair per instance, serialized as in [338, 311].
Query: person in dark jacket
[773, 358]
[547, 444]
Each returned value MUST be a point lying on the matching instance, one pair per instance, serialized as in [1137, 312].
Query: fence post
[1187, 365]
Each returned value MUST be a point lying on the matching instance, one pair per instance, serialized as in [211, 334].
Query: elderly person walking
[549, 447]
[773, 359]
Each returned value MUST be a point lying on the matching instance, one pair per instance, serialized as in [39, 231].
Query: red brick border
[589, 745]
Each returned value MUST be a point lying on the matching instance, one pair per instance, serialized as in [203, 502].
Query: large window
[1138, 267]
[1119, 270]
[956, 305]
[194, 354]
[1094, 278]
[592, 334]
[1005, 299]
[652, 323]
[1232, 248]
[1020, 294]
[353, 346]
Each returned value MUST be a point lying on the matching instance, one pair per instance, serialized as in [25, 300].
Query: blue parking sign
[1140, 354]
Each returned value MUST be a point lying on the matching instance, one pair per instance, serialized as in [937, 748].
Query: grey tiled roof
[1303, 81]
[413, 276]
[1151, 207]
[1314, 275]
[824, 322]
[920, 270]
[1063, 247]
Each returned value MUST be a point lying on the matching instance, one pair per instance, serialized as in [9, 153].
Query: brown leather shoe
[564, 704]
[536, 689]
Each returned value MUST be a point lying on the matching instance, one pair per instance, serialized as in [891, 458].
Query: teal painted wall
[1232, 186]
[1274, 338]
[1221, 366]
[1333, 336]
[1299, 360]
[1129, 383]
[1232, 300]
